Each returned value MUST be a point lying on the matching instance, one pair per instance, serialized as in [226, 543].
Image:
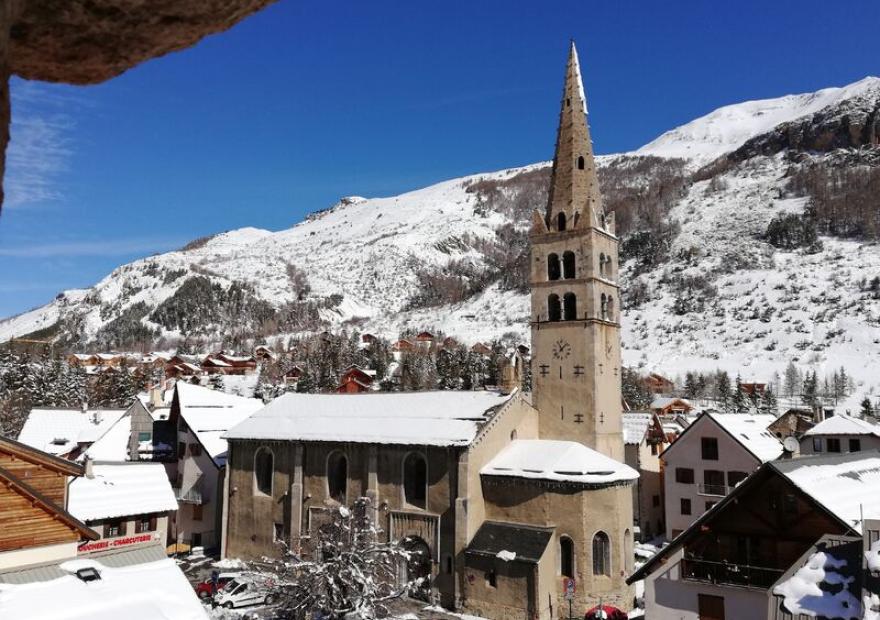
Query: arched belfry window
[415, 479]
[610, 308]
[603, 306]
[608, 267]
[264, 468]
[566, 556]
[568, 265]
[554, 308]
[581, 162]
[553, 267]
[569, 302]
[337, 476]
[560, 221]
[601, 554]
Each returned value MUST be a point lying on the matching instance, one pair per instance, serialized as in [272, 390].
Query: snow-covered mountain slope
[444, 257]
[728, 128]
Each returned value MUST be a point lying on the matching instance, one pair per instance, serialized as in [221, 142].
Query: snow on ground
[729, 127]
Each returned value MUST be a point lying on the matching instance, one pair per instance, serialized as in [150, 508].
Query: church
[504, 497]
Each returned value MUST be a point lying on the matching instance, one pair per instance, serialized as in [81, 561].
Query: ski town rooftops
[442, 418]
[61, 431]
[209, 414]
[121, 489]
[558, 461]
[842, 424]
[135, 584]
[635, 425]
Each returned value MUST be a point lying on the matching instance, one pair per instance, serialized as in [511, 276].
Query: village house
[126, 503]
[644, 440]
[47, 569]
[355, 379]
[841, 434]
[482, 349]
[403, 345]
[799, 538]
[67, 432]
[293, 374]
[237, 364]
[792, 423]
[708, 459]
[262, 353]
[501, 496]
[670, 406]
[657, 384]
[201, 416]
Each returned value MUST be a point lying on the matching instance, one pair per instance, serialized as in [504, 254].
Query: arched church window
[610, 308]
[568, 265]
[263, 469]
[560, 221]
[337, 476]
[552, 266]
[602, 264]
[601, 554]
[566, 556]
[569, 302]
[581, 162]
[603, 306]
[608, 273]
[554, 309]
[415, 479]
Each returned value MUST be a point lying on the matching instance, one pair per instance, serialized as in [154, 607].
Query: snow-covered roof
[750, 429]
[58, 431]
[444, 418]
[846, 485]
[155, 590]
[563, 461]
[842, 424]
[119, 490]
[113, 444]
[803, 592]
[635, 425]
[209, 413]
[664, 401]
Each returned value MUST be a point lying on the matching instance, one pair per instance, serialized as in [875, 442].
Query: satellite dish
[790, 444]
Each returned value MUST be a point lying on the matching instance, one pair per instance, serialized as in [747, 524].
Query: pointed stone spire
[574, 186]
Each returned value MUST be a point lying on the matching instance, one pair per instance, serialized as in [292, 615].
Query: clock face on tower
[561, 349]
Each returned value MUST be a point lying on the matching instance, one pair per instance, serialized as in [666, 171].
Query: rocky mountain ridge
[748, 241]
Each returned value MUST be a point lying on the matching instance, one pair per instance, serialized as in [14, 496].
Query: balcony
[715, 490]
[192, 495]
[725, 573]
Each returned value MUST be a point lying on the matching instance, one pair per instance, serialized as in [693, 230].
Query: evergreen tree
[690, 386]
[792, 380]
[722, 389]
[634, 392]
[867, 408]
[768, 402]
[810, 390]
[738, 398]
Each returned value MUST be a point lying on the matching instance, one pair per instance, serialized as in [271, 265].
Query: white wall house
[714, 454]
[841, 434]
[203, 415]
[128, 504]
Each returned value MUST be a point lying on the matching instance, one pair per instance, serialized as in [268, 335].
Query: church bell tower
[576, 362]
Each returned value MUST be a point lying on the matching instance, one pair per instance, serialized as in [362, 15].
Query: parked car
[241, 592]
[205, 589]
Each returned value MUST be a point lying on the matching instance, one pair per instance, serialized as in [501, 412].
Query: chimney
[156, 396]
[87, 467]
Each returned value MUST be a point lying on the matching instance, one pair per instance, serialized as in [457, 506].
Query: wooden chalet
[368, 339]
[657, 384]
[33, 500]
[482, 349]
[753, 389]
[292, 375]
[355, 380]
[238, 364]
[425, 338]
[262, 353]
[403, 345]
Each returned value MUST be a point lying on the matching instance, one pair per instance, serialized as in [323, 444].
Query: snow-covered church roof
[561, 461]
[842, 424]
[443, 418]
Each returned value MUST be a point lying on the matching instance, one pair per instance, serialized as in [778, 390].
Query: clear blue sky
[309, 101]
